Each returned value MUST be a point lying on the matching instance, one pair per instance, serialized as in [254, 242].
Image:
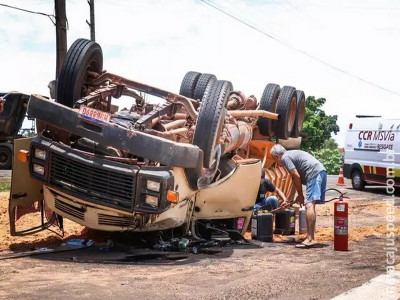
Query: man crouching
[304, 169]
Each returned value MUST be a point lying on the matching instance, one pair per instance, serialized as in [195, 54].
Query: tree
[317, 125]
[330, 144]
[332, 159]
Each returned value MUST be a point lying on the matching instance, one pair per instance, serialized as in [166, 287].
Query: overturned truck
[193, 159]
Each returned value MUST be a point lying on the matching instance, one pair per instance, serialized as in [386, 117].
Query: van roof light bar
[367, 116]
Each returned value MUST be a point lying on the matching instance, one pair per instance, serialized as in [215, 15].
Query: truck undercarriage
[198, 156]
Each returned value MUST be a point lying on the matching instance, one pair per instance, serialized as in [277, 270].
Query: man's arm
[297, 183]
[282, 196]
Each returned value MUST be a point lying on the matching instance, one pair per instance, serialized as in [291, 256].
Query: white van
[372, 152]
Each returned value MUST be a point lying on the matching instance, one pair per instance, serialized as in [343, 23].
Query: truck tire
[5, 158]
[300, 113]
[268, 102]
[286, 108]
[211, 119]
[357, 180]
[201, 86]
[189, 84]
[82, 56]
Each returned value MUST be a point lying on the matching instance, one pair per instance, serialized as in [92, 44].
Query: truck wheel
[201, 86]
[286, 108]
[357, 180]
[189, 84]
[82, 56]
[300, 113]
[268, 102]
[5, 158]
[211, 119]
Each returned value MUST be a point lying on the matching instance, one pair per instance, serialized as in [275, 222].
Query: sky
[157, 42]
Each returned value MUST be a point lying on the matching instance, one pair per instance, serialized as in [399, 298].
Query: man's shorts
[316, 188]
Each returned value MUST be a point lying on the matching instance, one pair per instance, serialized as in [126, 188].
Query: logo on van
[359, 144]
[382, 135]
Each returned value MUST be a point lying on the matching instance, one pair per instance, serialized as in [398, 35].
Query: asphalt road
[257, 271]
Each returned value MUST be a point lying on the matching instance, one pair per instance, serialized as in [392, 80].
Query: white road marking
[383, 287]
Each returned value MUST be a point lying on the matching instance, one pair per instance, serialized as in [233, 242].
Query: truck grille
[92, 182]
[70, 209]
[115, 220]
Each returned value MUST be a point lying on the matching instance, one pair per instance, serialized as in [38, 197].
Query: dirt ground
[257, 271]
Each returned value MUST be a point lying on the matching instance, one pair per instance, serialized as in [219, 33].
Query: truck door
[227, 197]
[26, 193]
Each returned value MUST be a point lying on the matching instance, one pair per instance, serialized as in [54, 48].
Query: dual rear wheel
[289, 103]
[195, 84]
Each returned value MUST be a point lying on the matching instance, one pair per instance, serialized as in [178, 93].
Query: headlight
[153, 185]
[38, 169]
[40, 154]
[151, 200]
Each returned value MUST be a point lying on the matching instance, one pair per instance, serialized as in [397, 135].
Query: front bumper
[106, 219]
[166, 152]
[99, 181]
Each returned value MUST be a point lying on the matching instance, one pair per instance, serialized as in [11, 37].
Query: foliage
[5, 184]
[317, 125]
[330, 144]
[331, 159]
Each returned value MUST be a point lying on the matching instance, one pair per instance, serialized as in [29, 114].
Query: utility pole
[61, 34]
[91, 23]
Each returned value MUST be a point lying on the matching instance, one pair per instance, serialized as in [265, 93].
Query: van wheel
[5, 158]
[82, 56]
[357, 181]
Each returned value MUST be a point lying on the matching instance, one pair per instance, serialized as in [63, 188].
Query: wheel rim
[357, 180]
[301, 115]
[292, 114]
[91, 66]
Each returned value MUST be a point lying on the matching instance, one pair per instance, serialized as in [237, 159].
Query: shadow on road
[131, 255]
[129, 249]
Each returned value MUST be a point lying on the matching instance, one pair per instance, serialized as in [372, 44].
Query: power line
[51, 17]
[254, 27]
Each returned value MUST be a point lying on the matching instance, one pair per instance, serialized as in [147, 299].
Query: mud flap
[26, 195]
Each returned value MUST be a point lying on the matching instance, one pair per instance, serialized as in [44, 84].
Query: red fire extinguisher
[341, 240]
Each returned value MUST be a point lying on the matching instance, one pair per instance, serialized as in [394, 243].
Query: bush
[331, 159]
[5, 184]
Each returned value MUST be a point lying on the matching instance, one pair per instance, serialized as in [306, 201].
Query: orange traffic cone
[340, 180]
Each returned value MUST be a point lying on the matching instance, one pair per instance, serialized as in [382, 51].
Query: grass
[5, 184]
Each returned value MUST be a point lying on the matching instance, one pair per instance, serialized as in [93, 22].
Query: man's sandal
[305, 245]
